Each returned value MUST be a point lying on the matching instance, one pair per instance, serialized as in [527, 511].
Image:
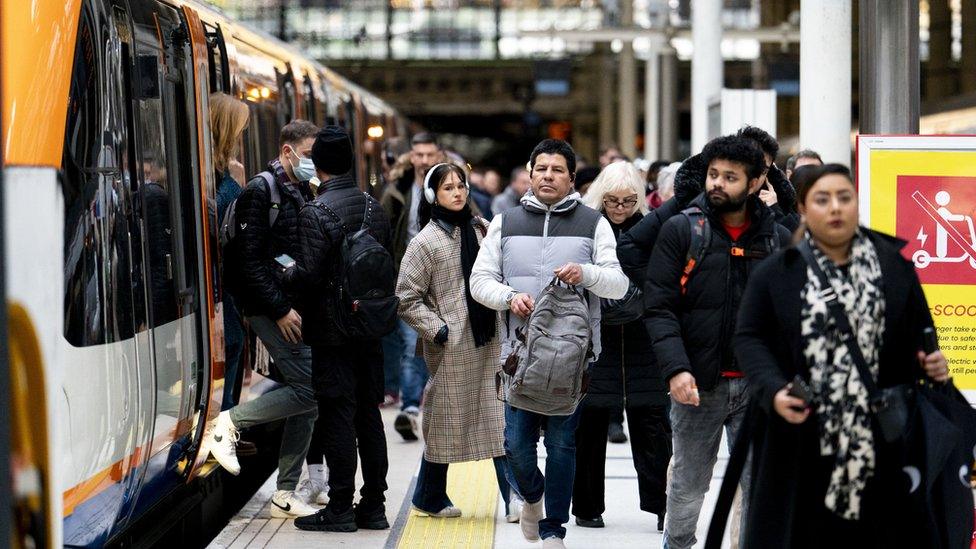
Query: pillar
[607, 119]
[707, 68]
[968, 60]
[627, 93]
[669, 105]
[889, 84]
[938, 78]
[825, 97]
[652, 106]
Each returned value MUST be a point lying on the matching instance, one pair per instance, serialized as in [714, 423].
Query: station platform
[473, 489]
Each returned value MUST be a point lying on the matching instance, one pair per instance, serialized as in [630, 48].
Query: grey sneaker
[553, 543]
[448, 512]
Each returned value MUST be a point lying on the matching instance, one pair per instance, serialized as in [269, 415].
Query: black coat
[626, 373]
[788, 483]
[636, 245]
[318, 256]
[263, 289]
[692, 332]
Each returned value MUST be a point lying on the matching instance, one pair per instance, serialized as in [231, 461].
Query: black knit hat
[332, 150]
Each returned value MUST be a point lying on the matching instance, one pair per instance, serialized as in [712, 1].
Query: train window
[217, 59]
[98, 301]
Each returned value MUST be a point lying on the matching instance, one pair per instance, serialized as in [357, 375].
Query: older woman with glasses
[624, 377]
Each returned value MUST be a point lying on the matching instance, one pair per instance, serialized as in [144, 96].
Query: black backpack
[229, 229]
[701, 239]
[364, 301]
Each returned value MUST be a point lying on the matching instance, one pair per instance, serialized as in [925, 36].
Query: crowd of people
[674, 297]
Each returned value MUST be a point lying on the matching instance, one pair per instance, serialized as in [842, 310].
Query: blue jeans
[233, 347]
[697, 433]
[430, 495]
[294, 401]
[413, 369]
[521, 438]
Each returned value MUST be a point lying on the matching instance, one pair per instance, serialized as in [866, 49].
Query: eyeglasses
[611, 202]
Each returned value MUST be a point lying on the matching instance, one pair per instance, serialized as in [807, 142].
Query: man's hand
[684, 390]
[935, 366]
[291, 326]
[790, 408]
[768, 195]
[522, 305]
[570, 273]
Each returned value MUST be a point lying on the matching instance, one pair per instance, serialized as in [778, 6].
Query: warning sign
[923, 189]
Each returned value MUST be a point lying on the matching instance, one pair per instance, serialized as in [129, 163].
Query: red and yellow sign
[923, 189]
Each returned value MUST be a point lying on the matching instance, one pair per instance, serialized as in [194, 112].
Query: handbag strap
[836, 309]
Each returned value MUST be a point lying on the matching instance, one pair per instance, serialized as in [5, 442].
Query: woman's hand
[935, 366]
[787, 407]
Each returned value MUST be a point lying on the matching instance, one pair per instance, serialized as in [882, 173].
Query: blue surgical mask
[305, 170]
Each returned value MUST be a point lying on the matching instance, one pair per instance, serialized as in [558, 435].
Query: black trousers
[348, 382]
[650, 442]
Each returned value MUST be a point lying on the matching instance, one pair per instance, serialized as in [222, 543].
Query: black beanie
[332, 150]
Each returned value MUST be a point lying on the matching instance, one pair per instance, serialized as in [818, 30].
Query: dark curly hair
[736, 149]
[761, 137]
[555, 146]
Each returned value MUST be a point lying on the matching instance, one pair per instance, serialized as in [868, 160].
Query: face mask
[305, 170]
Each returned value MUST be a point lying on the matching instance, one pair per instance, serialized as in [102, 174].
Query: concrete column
[607, 119]
[968, 60]
[889, 84]
[669, 104]
[938, 81]
[627, 96]
[825, 97]
[652, 106]
[707, 68]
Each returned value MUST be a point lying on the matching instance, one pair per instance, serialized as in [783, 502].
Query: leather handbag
[891, 406]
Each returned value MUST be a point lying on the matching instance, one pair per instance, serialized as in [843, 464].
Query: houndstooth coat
[463, 419]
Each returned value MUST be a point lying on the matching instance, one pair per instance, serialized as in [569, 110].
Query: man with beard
[694, 285]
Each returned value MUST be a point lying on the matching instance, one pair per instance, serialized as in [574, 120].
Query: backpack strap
[333, 214]
[274, 194]
[366, 215]
[733, 473]
[701, 238]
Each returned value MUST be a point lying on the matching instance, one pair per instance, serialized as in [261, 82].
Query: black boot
[615, 433]
[590, 523]
[329, 520]
[371, 517]
[660, 522]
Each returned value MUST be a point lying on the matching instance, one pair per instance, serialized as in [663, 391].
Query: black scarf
[482, 318]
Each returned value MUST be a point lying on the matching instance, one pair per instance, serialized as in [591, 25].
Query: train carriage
[111, 252]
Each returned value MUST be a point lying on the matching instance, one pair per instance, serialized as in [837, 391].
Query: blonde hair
[228, 118]
[618, 176]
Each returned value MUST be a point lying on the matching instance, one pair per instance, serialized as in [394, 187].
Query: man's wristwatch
[511, 295]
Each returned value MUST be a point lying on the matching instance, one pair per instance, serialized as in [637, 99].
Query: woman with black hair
[462, 420]
[823, 473]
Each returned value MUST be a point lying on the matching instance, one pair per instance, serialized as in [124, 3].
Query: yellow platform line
[473, 488]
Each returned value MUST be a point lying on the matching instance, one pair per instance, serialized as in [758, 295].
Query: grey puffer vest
[535, 241]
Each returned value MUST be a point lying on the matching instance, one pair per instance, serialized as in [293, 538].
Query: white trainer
[553, 543]
[310, 489]
[514, 508]
[286, 504]
[448, 512]
[529, 520]
[222, 443]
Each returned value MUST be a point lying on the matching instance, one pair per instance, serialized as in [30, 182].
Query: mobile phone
[800, 389]
[285, 261]
[930, 341]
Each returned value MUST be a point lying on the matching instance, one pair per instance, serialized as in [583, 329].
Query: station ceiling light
[375, 132]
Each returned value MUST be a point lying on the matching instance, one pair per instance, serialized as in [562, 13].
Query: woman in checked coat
[463, 420]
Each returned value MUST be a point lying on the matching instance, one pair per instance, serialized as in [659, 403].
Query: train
[114, 322]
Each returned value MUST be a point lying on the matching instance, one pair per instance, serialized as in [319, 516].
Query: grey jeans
[294, 401]
[697, 433]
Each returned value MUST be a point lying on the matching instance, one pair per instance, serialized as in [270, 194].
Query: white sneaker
[310, 489]
[529, 519]
[514, 509]
[448, 512]
[286, 504]
[222, 443]
[553, 543]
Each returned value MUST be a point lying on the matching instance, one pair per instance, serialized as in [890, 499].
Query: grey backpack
[550, 359]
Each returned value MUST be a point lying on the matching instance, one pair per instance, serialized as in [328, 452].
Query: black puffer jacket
[263, 289]
[318, 256]
[635, 247]
[693, 332]
[626, 373]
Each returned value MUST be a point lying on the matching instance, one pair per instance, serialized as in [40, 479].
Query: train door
[170, 221]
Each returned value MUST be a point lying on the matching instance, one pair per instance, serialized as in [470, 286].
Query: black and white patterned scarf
[841, 399]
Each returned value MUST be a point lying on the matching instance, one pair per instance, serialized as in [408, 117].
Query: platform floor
[472, 487]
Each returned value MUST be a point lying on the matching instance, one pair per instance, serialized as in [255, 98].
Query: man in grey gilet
[552, 233]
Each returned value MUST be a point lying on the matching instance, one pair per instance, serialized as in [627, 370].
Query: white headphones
[429, 194]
